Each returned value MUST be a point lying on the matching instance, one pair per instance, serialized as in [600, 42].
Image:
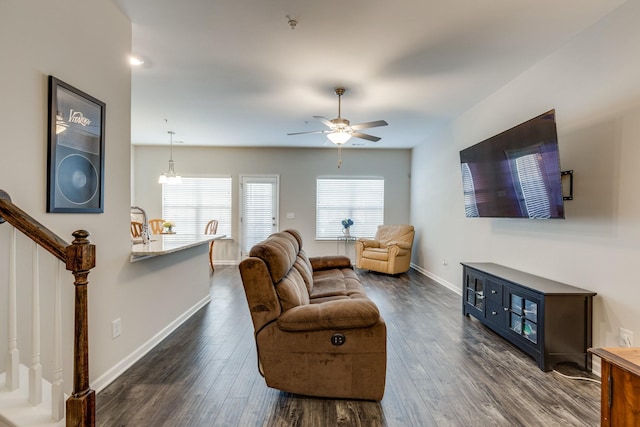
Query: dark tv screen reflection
[515, 174]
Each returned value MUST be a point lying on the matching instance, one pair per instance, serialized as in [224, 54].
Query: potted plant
[168, 226]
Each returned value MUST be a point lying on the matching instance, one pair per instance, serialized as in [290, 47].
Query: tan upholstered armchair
[389, 252]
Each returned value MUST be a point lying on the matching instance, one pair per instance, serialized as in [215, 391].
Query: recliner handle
[338, 339]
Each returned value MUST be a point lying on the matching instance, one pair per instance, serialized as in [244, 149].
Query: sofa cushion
[352, 283]
[279, 252]
[328, 282]
[297, 236]
[303, 266]
[292, 291]
[339, 314]
[319, 300]
[336, 283]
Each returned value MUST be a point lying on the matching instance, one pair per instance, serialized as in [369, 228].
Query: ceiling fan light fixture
[339, 136]
[341, 129]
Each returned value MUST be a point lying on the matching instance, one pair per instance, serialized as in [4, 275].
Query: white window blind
[360, 199]
[196, 201]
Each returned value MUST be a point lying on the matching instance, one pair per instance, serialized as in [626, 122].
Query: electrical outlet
[625, 338]
[444, 262]
[116, 328]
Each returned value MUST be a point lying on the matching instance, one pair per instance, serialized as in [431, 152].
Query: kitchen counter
[163, 244]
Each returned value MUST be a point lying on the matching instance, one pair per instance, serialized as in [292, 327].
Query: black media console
[548, 320]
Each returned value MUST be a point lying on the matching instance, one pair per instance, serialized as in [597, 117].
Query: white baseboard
[438, 279]
[113, 373]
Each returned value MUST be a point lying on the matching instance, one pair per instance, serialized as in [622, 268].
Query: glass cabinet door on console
[474, 290]
[523, 315]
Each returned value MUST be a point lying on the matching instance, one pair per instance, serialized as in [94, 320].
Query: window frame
[225, 224]
[355, 210]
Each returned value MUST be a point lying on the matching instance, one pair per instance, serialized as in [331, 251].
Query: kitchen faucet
[145, 225]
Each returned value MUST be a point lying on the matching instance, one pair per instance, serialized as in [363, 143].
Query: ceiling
[234, 72]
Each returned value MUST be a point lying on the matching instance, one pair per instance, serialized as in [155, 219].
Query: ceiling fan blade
[312, 131]
[365, 136]
[324, 120]
[369, 125]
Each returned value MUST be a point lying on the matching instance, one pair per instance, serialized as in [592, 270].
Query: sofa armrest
[337, 314]
[329, 262]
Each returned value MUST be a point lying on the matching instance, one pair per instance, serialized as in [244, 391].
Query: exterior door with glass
[259, 210]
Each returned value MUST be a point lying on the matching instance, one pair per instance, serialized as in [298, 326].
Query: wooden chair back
[136, 229]
[156, 225]
[211, 228]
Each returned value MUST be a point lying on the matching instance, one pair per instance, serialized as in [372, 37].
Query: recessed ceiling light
[133, 60]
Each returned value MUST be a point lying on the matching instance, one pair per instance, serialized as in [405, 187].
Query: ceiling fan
[340, 130]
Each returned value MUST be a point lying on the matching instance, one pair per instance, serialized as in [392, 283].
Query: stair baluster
[57, 392]
[35, 370]
[13, 356]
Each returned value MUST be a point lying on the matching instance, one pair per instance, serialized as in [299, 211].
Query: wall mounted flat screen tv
[515, 174]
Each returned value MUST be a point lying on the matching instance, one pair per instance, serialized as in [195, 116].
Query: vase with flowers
[346, 223]
[168, 226]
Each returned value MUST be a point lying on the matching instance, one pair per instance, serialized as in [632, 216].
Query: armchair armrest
[368, 243]
[402, 245]
[337, 314]
[329, 262]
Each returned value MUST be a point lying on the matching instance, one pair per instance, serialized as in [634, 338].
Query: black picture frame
[75, 156]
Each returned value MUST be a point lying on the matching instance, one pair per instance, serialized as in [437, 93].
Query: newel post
[81, 405]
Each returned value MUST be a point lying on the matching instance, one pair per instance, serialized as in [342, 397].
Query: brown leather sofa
[389, 252]
[317, 333]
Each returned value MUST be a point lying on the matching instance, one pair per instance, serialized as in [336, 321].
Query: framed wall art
[75, 166]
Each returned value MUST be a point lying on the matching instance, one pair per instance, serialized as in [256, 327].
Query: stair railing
[79, 258]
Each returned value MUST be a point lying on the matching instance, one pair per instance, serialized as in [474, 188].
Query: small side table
[619, 393]
[348, 242]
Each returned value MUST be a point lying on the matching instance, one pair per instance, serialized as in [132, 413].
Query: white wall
[86, 45]
[298, 169]
[593, 84]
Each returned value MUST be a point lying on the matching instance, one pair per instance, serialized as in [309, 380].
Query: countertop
[163, 244]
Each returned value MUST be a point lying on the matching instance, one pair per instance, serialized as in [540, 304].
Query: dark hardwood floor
[443, 370]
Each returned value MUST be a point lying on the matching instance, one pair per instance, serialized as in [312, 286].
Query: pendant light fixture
[170, 177]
